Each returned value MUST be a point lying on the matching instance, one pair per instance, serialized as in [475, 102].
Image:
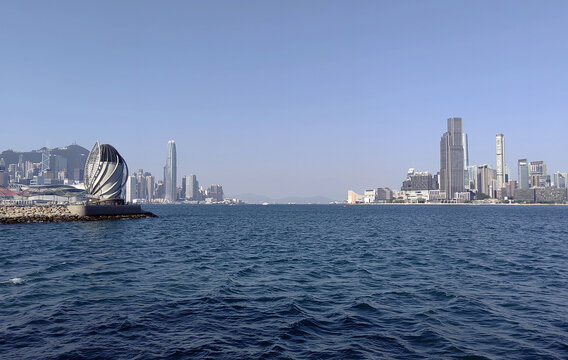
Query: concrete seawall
[57, 213]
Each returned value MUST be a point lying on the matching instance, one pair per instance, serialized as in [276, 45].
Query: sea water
[290, 282]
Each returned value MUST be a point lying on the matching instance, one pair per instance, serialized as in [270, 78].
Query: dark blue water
[300, 282]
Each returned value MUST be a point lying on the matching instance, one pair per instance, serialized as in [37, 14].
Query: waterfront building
[560, 180]
[215, 193]
[544, 195]
[131, 188]
[550, 195]
[484, 180]
[510, 187]
[415, 196]
[106, 174]
[500, 154]
[170, 172]
[191, 186]
[523, 169]
[463, 197]
[525, 195]
[472, 177]
[418, 181]
[436, 196]
[452, 159]
[384, 194]
[370, 196]
[353, 197]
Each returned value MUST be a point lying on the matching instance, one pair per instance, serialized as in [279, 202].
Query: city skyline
[287, 102]
[448, 184]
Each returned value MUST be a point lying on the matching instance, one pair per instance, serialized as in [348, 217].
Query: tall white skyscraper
[131, 192]
[466, 178]
[465, 151]
[170, 172]
[500, 146]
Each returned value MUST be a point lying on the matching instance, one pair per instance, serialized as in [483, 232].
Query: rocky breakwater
[53, 213]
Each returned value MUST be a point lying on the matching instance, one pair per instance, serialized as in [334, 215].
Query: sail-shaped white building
[106, 173]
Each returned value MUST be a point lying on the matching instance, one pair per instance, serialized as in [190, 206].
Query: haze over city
[287, 98]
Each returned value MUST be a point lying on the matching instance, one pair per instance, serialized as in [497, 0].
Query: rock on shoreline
[54, 213]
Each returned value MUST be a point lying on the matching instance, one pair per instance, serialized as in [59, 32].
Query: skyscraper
[465, 151]
[500, 152]
[131, 188]
[45, 156]
[537, 174]
[523, 167]
[537, 168]
[484, 180]
[560, 180]
[452, 159]
[191, 187]
[216, 193]
[466, 179]
[170, 172]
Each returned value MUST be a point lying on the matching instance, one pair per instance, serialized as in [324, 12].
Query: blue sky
[287, 97]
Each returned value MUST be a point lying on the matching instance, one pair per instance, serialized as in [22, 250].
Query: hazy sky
[287, 97]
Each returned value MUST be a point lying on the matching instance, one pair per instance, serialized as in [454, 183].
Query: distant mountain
[259, 199]
[76, 156]
[304, 200]
[12, 157]
[253, 198]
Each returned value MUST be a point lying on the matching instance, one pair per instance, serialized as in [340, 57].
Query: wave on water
[290, 282]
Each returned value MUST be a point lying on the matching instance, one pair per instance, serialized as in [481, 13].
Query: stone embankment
[52, 213]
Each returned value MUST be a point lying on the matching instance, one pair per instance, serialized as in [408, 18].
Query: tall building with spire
[170, 172]
[452, 159]
[500, 147]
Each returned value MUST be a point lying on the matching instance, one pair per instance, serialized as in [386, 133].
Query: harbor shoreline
[56, 213]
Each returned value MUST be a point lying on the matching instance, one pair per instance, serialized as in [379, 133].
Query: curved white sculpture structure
[106, 173]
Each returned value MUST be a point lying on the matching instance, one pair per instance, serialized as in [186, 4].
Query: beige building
[353, 197]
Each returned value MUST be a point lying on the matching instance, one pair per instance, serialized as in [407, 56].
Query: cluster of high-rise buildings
[59, 166]
[65, 166]
[142, 186]
[459, 181]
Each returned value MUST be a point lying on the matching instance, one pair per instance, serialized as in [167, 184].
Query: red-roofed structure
[6, 193]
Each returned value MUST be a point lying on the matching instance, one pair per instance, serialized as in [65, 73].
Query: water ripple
[290, 282]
